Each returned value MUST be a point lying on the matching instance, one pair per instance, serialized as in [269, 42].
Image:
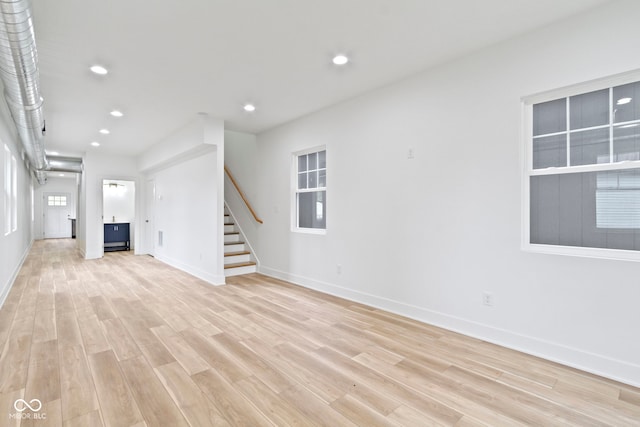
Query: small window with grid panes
[311, 190]
[57, 200]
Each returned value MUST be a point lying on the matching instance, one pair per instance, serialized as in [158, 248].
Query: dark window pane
[626, 143]
[590, 209]
[322, 178]
[313, 161]
[302, 163]
[626, 102]
[590, 147]
[550, 117]
[313, 179]
[322, 159]
[589, 109]
[312, 210]
[550, 151]
[302, 180]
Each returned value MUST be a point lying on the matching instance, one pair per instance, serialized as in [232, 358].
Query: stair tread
[240, 264]
[234, 243]
[237, 253]
[228, 233]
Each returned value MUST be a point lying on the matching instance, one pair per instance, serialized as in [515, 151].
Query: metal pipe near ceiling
[64, 164]
[19, 74]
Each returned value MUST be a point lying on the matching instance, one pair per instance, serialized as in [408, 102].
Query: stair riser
[229, 228]
[239, 247]
[237, 258]
[239, 270]
[231, 238]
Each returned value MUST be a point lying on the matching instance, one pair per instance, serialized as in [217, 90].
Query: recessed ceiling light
[249, 107]
[95, 144]
[99, 69]
[340, 59]
[623, 101]
[52, 153]
[116, 113]
[104, 131]
[61, 174]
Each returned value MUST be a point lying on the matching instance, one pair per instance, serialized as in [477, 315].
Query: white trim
[212, 279]
[309, 151]
[600, 167]
[611, 124]
[597, 364]
[586, 252]
[9, 285]
[526, 166]
[318, 231]
[581, 88]
[311, 190]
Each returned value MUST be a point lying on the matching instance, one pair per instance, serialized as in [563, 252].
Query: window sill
[599, 253]
[318, 231]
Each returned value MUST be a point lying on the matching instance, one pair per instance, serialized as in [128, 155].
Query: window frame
[6, 190]
[528, 171]
[14, 194]
[59, 200]
[295, 191]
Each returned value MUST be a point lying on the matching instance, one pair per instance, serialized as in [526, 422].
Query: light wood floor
[129, 341]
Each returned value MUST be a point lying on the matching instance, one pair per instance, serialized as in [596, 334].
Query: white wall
[425, 237]
[187, 168]
[240, 158]
[53, 185]
[14, 246]
[99, 166]
[81, 228]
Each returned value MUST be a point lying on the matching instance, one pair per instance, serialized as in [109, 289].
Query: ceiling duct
[19, 74]
[64, 164]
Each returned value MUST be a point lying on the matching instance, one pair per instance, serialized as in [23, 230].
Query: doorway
[58, 212]
[118, 214]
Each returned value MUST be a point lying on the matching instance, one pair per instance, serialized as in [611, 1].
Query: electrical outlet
[339, 268]
[411, 154]
[487, 299]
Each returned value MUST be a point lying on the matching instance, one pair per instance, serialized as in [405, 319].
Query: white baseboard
[618, 370]
[6, 287]
[212, 279]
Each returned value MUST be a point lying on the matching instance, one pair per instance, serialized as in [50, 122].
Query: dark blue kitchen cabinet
[116, 237]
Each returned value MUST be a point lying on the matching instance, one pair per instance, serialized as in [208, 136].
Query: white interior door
[58, 209]
[149, 223]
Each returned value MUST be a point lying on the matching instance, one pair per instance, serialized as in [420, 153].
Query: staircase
[238, 258]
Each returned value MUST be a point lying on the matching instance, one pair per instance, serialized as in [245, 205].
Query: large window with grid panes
[582, 171]
[310, 196]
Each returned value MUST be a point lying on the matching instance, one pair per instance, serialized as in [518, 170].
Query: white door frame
[149, 219]
[69, 207]
[134, 237]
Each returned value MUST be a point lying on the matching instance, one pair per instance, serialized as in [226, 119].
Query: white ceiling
[169, 60]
